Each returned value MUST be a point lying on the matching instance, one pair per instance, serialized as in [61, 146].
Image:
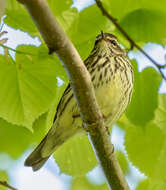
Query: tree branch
[5, 184]
[132, 42]
[57, 41]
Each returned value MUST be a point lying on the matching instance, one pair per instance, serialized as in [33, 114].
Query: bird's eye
[113, 42]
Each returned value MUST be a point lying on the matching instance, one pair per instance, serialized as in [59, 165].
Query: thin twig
[131, 41]
[17, 51]
[5, 184]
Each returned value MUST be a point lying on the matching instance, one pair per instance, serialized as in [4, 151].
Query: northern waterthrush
[112, 76]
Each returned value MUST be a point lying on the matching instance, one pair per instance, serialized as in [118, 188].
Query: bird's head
[106, 42]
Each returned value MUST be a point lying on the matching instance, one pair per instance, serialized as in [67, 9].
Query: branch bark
[58, 42]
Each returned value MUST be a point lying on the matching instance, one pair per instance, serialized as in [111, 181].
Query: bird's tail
[54, 138]
[35, 159]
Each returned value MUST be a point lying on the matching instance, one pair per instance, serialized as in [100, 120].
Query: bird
[112, 77]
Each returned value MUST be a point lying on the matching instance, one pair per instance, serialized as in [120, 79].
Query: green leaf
[16, 15]
[90, 23]
[139, 23]
[82, 183]
[122, 161]
[69, 21]
[143, 185]
[71, 156]
[151, 184]
[145, 96]
[160, 113]
[65, 15]
[14, 140]
[3, 177]
[160, 166]
[59, 6]
[144, 146]
[28, 86]
[120, 8]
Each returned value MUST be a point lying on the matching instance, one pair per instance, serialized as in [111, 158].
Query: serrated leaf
[144, 145]
[16, 15]
[76, 156]
[145, 96]
[30, 86]
[14, 140]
